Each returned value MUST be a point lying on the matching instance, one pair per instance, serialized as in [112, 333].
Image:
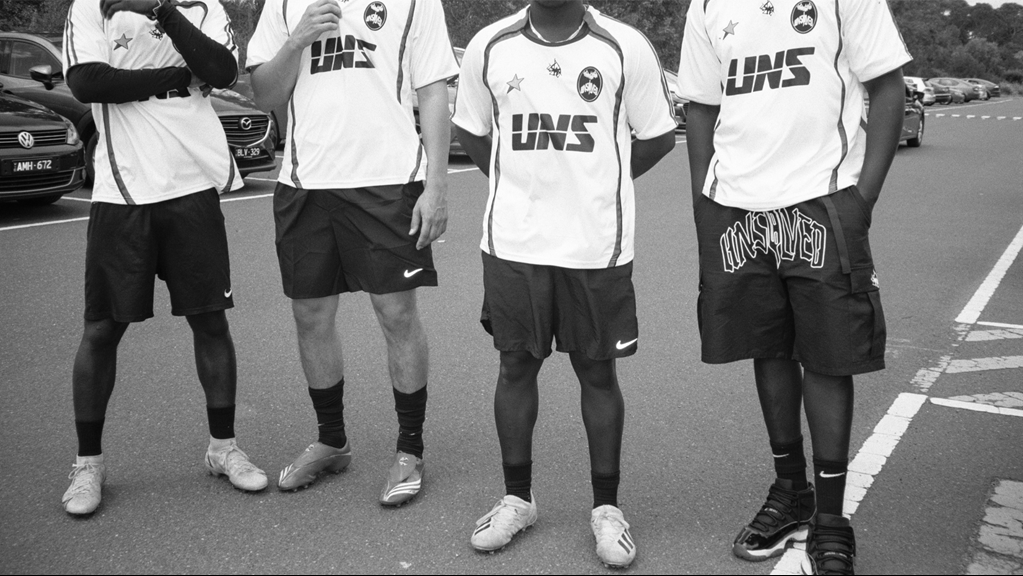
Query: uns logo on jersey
[375, 16]
[758, 70]
[542, 132]
[590, 84]
[335, 55]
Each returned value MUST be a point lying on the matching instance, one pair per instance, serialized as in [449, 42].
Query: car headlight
[72, 134]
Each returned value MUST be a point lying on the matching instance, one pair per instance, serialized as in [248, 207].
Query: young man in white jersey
[351, 207]
[786, 169]
[546, 104]
[161, 163]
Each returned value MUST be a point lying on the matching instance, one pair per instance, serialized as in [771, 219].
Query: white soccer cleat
[85, 493]
[234, 464]
[615, 546]
[508, 517]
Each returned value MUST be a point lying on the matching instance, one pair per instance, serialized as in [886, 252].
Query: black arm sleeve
[211, 61]
[104, 84]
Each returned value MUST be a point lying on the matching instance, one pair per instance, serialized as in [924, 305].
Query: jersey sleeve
[873, 42]
[699, 67]
[217, 26]
[648, 106]
[474, 108]
[270, 35]
[84, 39]
[431, 55]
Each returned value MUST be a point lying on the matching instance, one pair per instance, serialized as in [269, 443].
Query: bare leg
[516, 405]
[407, 349]
[215, 358]
[319, 344]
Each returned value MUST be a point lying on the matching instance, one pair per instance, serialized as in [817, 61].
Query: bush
[1010, 88]
[1013, 76]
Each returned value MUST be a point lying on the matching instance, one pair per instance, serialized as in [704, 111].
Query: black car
[30, 66]
[40, 152]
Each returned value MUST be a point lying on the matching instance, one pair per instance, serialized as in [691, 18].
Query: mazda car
[40, 152]
[30, 66]
[970, 91]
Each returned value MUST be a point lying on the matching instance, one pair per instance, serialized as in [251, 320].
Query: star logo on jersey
[375, 16]
[804, 16]
[555, 69]
[730, 29]
[515, 84]
[590, 84]
[122, 42]
[767, 8]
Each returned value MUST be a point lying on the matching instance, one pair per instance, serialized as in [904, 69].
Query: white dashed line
[984, 364]
[1000, 325]
[976, 305]
[977, 407]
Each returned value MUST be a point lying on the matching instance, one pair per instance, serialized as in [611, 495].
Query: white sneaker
[230, 461]
[615, 546]
[508, 517]
[85, 492]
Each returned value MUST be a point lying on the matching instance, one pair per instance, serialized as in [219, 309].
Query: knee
[103, 333]
[519, 367]
[313, 316]
[210, 325]
[594, 374]
[397, 313]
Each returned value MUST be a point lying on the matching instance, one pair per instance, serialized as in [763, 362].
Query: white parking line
[984, 364]
[976, 305]
[1001, 325]
[89, 200]
[37, 224]
[977, 407]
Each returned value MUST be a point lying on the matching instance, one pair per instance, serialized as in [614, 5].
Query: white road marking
[956, 116]
[89, 200]
[977, 407]
[971, 313]
[223, 200]
[37, 224]
[999, 399]
[1002, 117]
[261, 179]
[1000, 325]
[460, 170]
[1001, 533]
[988, 335]
[865, 466]
[939, 115]
[971, 116]
[983, 364]
[984, 117]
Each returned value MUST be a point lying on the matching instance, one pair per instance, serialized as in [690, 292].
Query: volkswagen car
[40, 152]
[30, 66]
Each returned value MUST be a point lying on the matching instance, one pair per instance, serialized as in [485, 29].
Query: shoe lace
[503, 515]
[833, 550]
[775, 510]
[610, 525]
[237, 462]
[82, 477]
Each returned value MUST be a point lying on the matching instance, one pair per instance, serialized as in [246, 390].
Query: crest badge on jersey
[804, 16]
[375, 16]
[590, 84]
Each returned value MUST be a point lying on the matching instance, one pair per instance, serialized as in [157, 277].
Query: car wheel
[919, 139]
[90, 157]
[42, 200]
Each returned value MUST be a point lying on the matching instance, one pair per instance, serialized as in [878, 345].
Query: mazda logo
[26, 140]
[245, 123]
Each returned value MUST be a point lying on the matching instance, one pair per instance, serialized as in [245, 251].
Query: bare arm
[430, 216]
[647, 153]
[700, 140]
[477, 147]
[274, 81]
[884, 126]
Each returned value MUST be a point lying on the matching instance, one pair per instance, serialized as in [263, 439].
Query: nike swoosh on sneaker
[823, 475]
[413, 272]
[621, 346]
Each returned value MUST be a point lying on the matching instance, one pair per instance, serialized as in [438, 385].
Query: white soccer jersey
[561, 191]
[788, 75]
[351, 122]
[163, 147]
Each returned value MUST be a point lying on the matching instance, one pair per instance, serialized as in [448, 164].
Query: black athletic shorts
[334, 241]
[525, 306]
[183, 241]
[796, 283]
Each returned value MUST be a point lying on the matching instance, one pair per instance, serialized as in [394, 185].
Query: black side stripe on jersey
[714, 185]
[507, 34]
[113, 160]
[606, 37]
[291, 141]
[833, 185]
[419, 163]
[404, 43]
[69, 38]
[230, 176]
[284, 13]
[896, 24]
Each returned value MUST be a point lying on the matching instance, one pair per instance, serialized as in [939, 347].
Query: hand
[430, 216]
[320, 17]
[110, 7]
[201, 84]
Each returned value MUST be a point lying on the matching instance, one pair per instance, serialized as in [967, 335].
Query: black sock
[518, 480]
[90, 437]
[605, 488]
[411, 409]
[830, 480]
[790, 463]
[330, 414]
[221, 422]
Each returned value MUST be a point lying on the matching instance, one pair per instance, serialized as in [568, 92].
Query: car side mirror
[45, 75]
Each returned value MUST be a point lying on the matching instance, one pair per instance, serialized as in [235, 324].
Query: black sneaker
[783, 518]
[831, 546]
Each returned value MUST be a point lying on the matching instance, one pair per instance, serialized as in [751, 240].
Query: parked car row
[941, 90]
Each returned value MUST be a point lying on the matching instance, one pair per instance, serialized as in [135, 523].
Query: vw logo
[26, 140]
[245, 123]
